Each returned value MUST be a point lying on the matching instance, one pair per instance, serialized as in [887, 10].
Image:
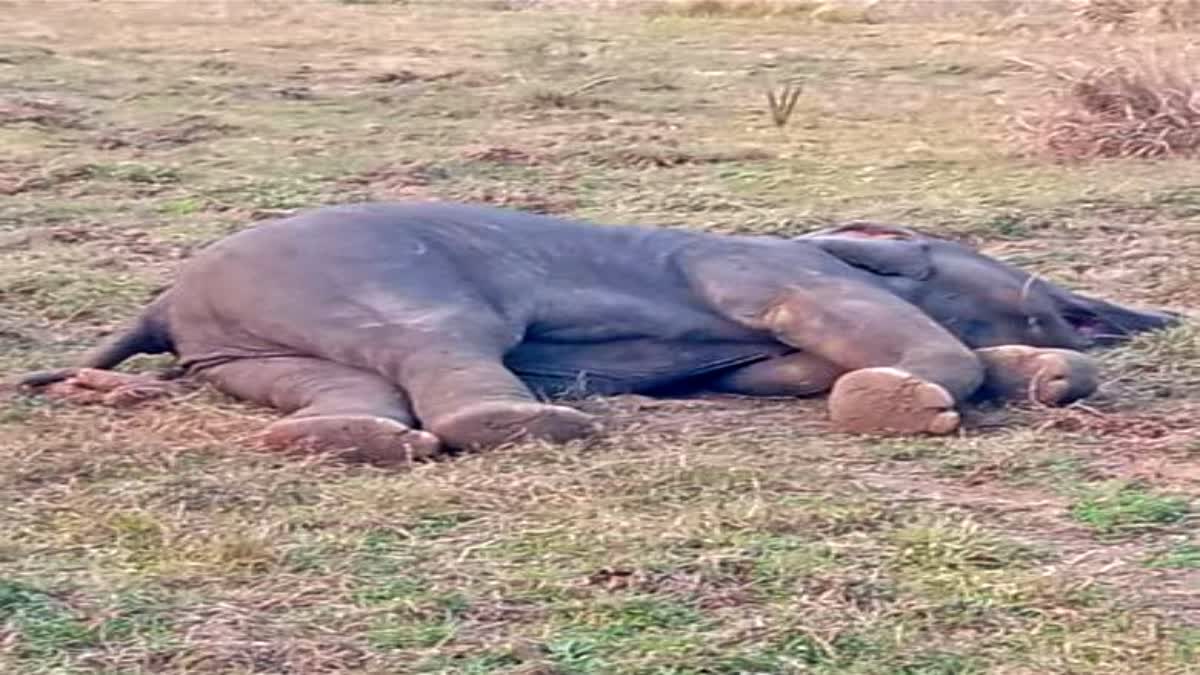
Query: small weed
[1120, 508]
[782, 104]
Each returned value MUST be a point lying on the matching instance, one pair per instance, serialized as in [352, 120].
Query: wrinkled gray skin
[454, 318]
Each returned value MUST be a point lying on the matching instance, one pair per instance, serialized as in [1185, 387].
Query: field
[696, 536]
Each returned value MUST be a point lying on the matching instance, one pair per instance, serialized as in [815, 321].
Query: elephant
[392, 331]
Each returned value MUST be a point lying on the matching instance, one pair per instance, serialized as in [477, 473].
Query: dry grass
[1140, 104]
[1139, 15]
[731, 8]
[702, 536]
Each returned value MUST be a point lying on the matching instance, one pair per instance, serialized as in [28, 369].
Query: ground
[701, 536]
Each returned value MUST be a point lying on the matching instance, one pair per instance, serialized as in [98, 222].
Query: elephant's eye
[1035, 324]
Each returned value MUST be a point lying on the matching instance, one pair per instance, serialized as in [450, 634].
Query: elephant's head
[982, 300]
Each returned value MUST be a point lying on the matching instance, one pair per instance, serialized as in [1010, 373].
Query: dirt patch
[411, 180]
[113, 248]
[667, 156]
[730, 584]
[18, 178]
[1126, 431]
[135, 249]
[502, 154]
[620, 147]
[14, 55]
[1158, 448]
[182, 131]
[42, 112]
[1176, 473]
[405, 76]
[536, 201]
[14, 241]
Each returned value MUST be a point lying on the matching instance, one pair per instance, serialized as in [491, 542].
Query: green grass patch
[46, 627]
[1120, 508]
[1180, 557]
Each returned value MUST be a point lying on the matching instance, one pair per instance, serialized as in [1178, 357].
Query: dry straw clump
[1139, 14]
[1143, 105]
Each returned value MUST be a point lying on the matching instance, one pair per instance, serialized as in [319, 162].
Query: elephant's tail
[147, 334]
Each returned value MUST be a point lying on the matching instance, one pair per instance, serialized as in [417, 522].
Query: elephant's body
[370, 321]
[339, 283]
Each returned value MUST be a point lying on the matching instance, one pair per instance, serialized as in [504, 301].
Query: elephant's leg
[470, 400]
[446, 354]
[903, 372]
[1048, 376]
[795, 374]
[330, 406]
[108, 387]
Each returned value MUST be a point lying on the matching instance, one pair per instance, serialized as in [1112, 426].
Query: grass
[722, 536]
[1125, 508]
[1182, 556]
[1139, 104]
[731, 8]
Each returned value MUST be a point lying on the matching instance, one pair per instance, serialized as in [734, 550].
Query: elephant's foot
[107, 387]
[488, 425]
[890, 400]
[1048, 376]
[361, 438]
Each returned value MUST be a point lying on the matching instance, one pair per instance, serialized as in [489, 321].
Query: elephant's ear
[887, 250]
[865, 229]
